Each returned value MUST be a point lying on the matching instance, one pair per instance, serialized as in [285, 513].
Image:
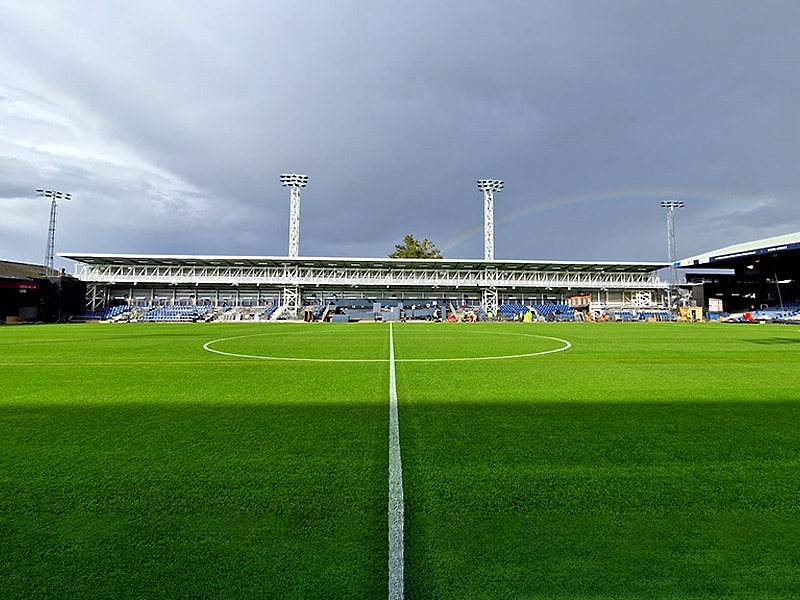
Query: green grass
[647, 461]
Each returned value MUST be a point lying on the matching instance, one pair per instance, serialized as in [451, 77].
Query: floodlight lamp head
[294, 180]
[490, 185]
[672, 204]
[55, 195]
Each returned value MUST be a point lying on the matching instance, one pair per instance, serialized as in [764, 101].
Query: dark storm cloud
[176, 123]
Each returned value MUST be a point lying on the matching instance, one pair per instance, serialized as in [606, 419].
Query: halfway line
[395, 486]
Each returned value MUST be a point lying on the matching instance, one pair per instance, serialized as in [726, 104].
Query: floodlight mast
[294, 182]
[489, 187]
[671, 205]
[49, 254]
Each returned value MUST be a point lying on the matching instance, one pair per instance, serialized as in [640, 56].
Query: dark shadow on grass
[179, 501]
[597, 500]
[502, 500]
[777, 341]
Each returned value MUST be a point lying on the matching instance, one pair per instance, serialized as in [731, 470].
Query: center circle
[562, 346]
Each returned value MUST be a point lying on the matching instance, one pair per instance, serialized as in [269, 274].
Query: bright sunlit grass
[646, 461]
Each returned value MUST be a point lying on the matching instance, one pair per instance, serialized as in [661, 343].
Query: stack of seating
[173, 314]
[658, 315]
[106, 314]
[243, 313]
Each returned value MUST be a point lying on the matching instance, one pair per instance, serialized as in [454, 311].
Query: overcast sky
[171, 121]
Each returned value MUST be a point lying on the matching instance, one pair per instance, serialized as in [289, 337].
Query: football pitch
[539, 460]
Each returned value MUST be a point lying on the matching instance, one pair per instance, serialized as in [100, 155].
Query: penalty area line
[396, 509]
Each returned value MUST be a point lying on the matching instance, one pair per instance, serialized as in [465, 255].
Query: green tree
[414, 248]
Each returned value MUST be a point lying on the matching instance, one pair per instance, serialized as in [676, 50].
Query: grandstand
[758, 279]
[761, 277]
[281, 287]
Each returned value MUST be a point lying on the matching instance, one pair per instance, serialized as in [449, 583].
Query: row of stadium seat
[107, 313]
[248, 313]
[563, 312]
[630, 316]
[788, 312]
[149, 313]
[560, 312]
[557, 312]
[173, 313]
[512, 310]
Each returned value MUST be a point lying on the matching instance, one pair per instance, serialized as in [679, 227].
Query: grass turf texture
[649, 460]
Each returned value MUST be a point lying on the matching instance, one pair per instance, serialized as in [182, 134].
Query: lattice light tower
[49, 254]
[671, 205]
[294, 182]
[489, 297]
[489, 187]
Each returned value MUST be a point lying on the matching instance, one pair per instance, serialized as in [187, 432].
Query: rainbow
[643, 195]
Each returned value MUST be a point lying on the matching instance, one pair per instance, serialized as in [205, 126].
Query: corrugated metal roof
[394, 263]
[12, 270]
[772, 245]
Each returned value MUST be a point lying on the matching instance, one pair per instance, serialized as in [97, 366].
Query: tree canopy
[414, 248]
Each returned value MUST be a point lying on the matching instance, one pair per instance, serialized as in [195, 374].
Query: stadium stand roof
[784, 250]
[14, 270]
[379, 263]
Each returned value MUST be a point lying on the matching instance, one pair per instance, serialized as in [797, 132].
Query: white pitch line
[395, 486]
[207, 347]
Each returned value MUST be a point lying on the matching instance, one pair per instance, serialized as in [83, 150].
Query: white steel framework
[490, 301]
[294, 182]
[489, 187]
[49, 254]
[290, 302]
[281, 276]
[671, 205]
